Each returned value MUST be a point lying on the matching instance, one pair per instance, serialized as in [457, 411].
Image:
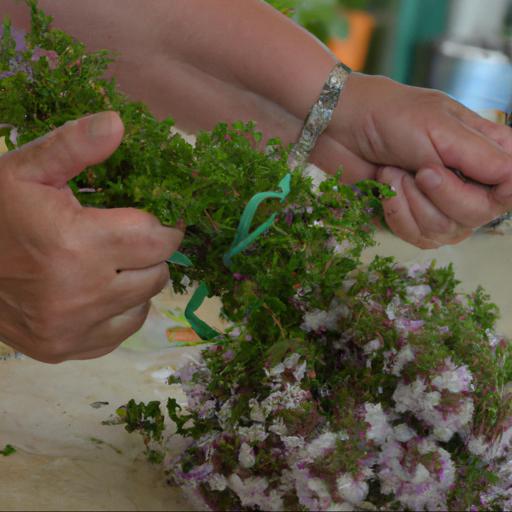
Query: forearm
[205, 61]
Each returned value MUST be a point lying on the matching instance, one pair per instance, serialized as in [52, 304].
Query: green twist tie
[243, 238]
[202, 329]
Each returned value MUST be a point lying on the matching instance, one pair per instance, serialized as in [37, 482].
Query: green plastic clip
[243, 238]
[202, 329]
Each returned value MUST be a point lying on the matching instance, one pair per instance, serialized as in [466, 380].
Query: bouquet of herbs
[338, 386]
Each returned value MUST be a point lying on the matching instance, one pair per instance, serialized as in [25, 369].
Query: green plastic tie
[202, 329]
[243, 238]
[179, 258]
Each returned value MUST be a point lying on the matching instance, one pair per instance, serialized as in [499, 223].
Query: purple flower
[405, 325]
[18, 36]
[51, 56]
[197, 474]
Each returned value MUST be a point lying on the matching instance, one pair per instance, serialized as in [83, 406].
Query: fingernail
[430, 178]
[102, 125]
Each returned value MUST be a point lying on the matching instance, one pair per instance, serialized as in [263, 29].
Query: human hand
[74, 282]
[412, 137]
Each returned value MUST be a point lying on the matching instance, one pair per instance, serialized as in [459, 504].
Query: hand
[411, 137]
[74, 282]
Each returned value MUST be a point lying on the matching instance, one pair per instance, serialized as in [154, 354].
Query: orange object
[353, 50]
[182, 335]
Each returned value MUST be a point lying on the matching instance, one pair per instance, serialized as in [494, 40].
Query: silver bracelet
[320, 115]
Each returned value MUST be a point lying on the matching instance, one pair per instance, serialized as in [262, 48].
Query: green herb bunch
[337, 386]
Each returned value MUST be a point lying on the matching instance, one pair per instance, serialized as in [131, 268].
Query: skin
[201, 62]
[57, 301]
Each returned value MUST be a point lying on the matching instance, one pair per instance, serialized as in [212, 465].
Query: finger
[133, 287]
[433, 224]
[108, 335]
[398, 213]
[129, 238]
[474, 154]
[63, 153]
[469, 205]
[500, 133]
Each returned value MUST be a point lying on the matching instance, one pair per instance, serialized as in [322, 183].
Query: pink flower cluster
[394, 450]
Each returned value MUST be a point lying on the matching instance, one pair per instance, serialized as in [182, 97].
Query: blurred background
[462, 47]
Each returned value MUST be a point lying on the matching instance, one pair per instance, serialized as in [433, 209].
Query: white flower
[246, 456]
[207, 409]
[185, 281]
[338, 248]
[421, 475]
[500, 446]
[478, 446]
[288, 397]
[290, 363]
[350, 489]
[224, 414]
[404, 356]
[418, 483]
[256, 411]
[300, 371]
[403, 433]
[292, 360]
[322, 445]
[454, 379]
[293, 442]
[393, 308]
[493, 338]
[428, 407]
[318, 487]
[372, 346]
[278, 427]
[253, 434]
[217, 482]
[380, 428]
[318, 319]
[252, 493]
[416, 294]
[276, 370]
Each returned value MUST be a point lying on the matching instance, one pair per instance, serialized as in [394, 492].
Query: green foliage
[322, 18]
[205, 187]
[8, 450]
[287, 7]
[307, 262]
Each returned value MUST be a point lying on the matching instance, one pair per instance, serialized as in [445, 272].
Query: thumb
[65, 152]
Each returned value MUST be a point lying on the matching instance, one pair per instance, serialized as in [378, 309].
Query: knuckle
[434, 98]
[56, 351]
[141, 219]
[137, 224]
[440, 226]
[44, 320]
